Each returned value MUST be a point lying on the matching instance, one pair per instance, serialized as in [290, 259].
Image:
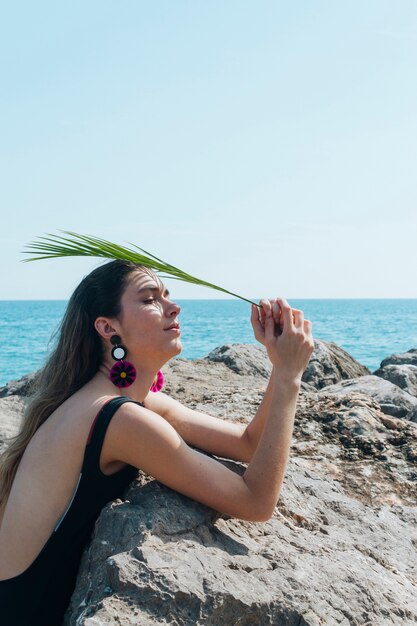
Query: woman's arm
[147, 441]
[256, 427]
[230, 440]
[265, 473]
[215, 435]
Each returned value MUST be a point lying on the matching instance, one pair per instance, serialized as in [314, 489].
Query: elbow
[258, 518]
[265, 517]
[248, 448]
[258, 513]
[247, 458]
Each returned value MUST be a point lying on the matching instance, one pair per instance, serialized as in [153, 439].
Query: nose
[175, 308]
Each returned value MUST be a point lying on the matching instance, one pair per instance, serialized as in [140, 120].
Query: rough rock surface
[248, 360]
[11, 409]
[21, 387]
[329, 364]
[391, 398]
[243, 359]
[340, 549]
[405, 358]
[404, 376]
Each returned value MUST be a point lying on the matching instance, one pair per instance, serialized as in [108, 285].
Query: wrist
[282, 377]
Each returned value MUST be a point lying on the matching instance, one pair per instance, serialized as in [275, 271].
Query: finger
[256, 323]
[308, 327]
[287, 316]
[265, 308]
[298, 316]
[255, 314]
[276, 309]
[269, 327]
[265, 304]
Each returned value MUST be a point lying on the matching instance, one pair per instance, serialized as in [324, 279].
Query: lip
[175, 329]
[174, 326]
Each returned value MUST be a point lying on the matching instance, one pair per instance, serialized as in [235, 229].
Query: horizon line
[218, 299]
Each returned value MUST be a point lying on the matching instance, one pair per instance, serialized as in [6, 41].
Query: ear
[104, 327]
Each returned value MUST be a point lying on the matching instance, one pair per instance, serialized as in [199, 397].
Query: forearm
[265, 473]
[255, 428]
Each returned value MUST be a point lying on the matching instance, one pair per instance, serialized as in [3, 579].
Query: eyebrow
[166, 293]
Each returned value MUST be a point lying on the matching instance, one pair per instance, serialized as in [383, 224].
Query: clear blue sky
[269, 147]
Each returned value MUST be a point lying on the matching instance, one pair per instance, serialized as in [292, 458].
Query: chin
[174, 347]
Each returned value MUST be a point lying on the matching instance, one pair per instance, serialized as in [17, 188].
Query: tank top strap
[97, 433]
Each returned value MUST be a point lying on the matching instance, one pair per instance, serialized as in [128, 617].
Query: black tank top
[40, 595]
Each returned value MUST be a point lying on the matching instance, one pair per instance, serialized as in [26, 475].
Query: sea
[369, 329]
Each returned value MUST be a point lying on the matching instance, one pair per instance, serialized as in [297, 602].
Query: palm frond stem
[74, 244]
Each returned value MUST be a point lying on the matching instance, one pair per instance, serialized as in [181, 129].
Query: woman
[94, 422]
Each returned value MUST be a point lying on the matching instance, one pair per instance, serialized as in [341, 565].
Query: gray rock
[406, 358]
[244, 359]
[404, 376]
[11, 410]
[340, 549]
[22, 387]
[329, 364]
[391, 399]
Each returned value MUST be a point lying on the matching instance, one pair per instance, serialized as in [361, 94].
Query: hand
[261, 314]
[285, 334]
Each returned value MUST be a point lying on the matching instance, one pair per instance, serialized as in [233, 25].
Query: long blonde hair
[75, 359]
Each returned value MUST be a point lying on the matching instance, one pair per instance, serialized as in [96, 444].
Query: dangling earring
[123, 373]
[159, 383]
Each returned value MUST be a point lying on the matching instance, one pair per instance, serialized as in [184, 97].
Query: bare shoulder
[72, 420]
[81, 405]
[133, 411]
[136, 430]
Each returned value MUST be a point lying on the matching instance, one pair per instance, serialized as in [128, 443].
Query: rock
[22, 387]
[404, 376]
[392, 400]
[11, 410]
[329, 364]
[406, 358]
[231, 396]
[401, 370]
[348, 504]
[244, 359]
[341, 547]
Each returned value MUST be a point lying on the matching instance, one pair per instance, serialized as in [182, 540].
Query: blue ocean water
[369, 330]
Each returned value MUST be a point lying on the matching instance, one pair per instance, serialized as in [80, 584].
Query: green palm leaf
[84, 245]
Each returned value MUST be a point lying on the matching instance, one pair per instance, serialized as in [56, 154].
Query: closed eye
[149, 300]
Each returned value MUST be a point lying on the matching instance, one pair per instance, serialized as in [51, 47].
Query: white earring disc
[119, 353]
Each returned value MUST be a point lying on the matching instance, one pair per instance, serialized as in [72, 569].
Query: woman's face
[146, 313]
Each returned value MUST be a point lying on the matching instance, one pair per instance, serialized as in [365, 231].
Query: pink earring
[158, 383]
[123, 373]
